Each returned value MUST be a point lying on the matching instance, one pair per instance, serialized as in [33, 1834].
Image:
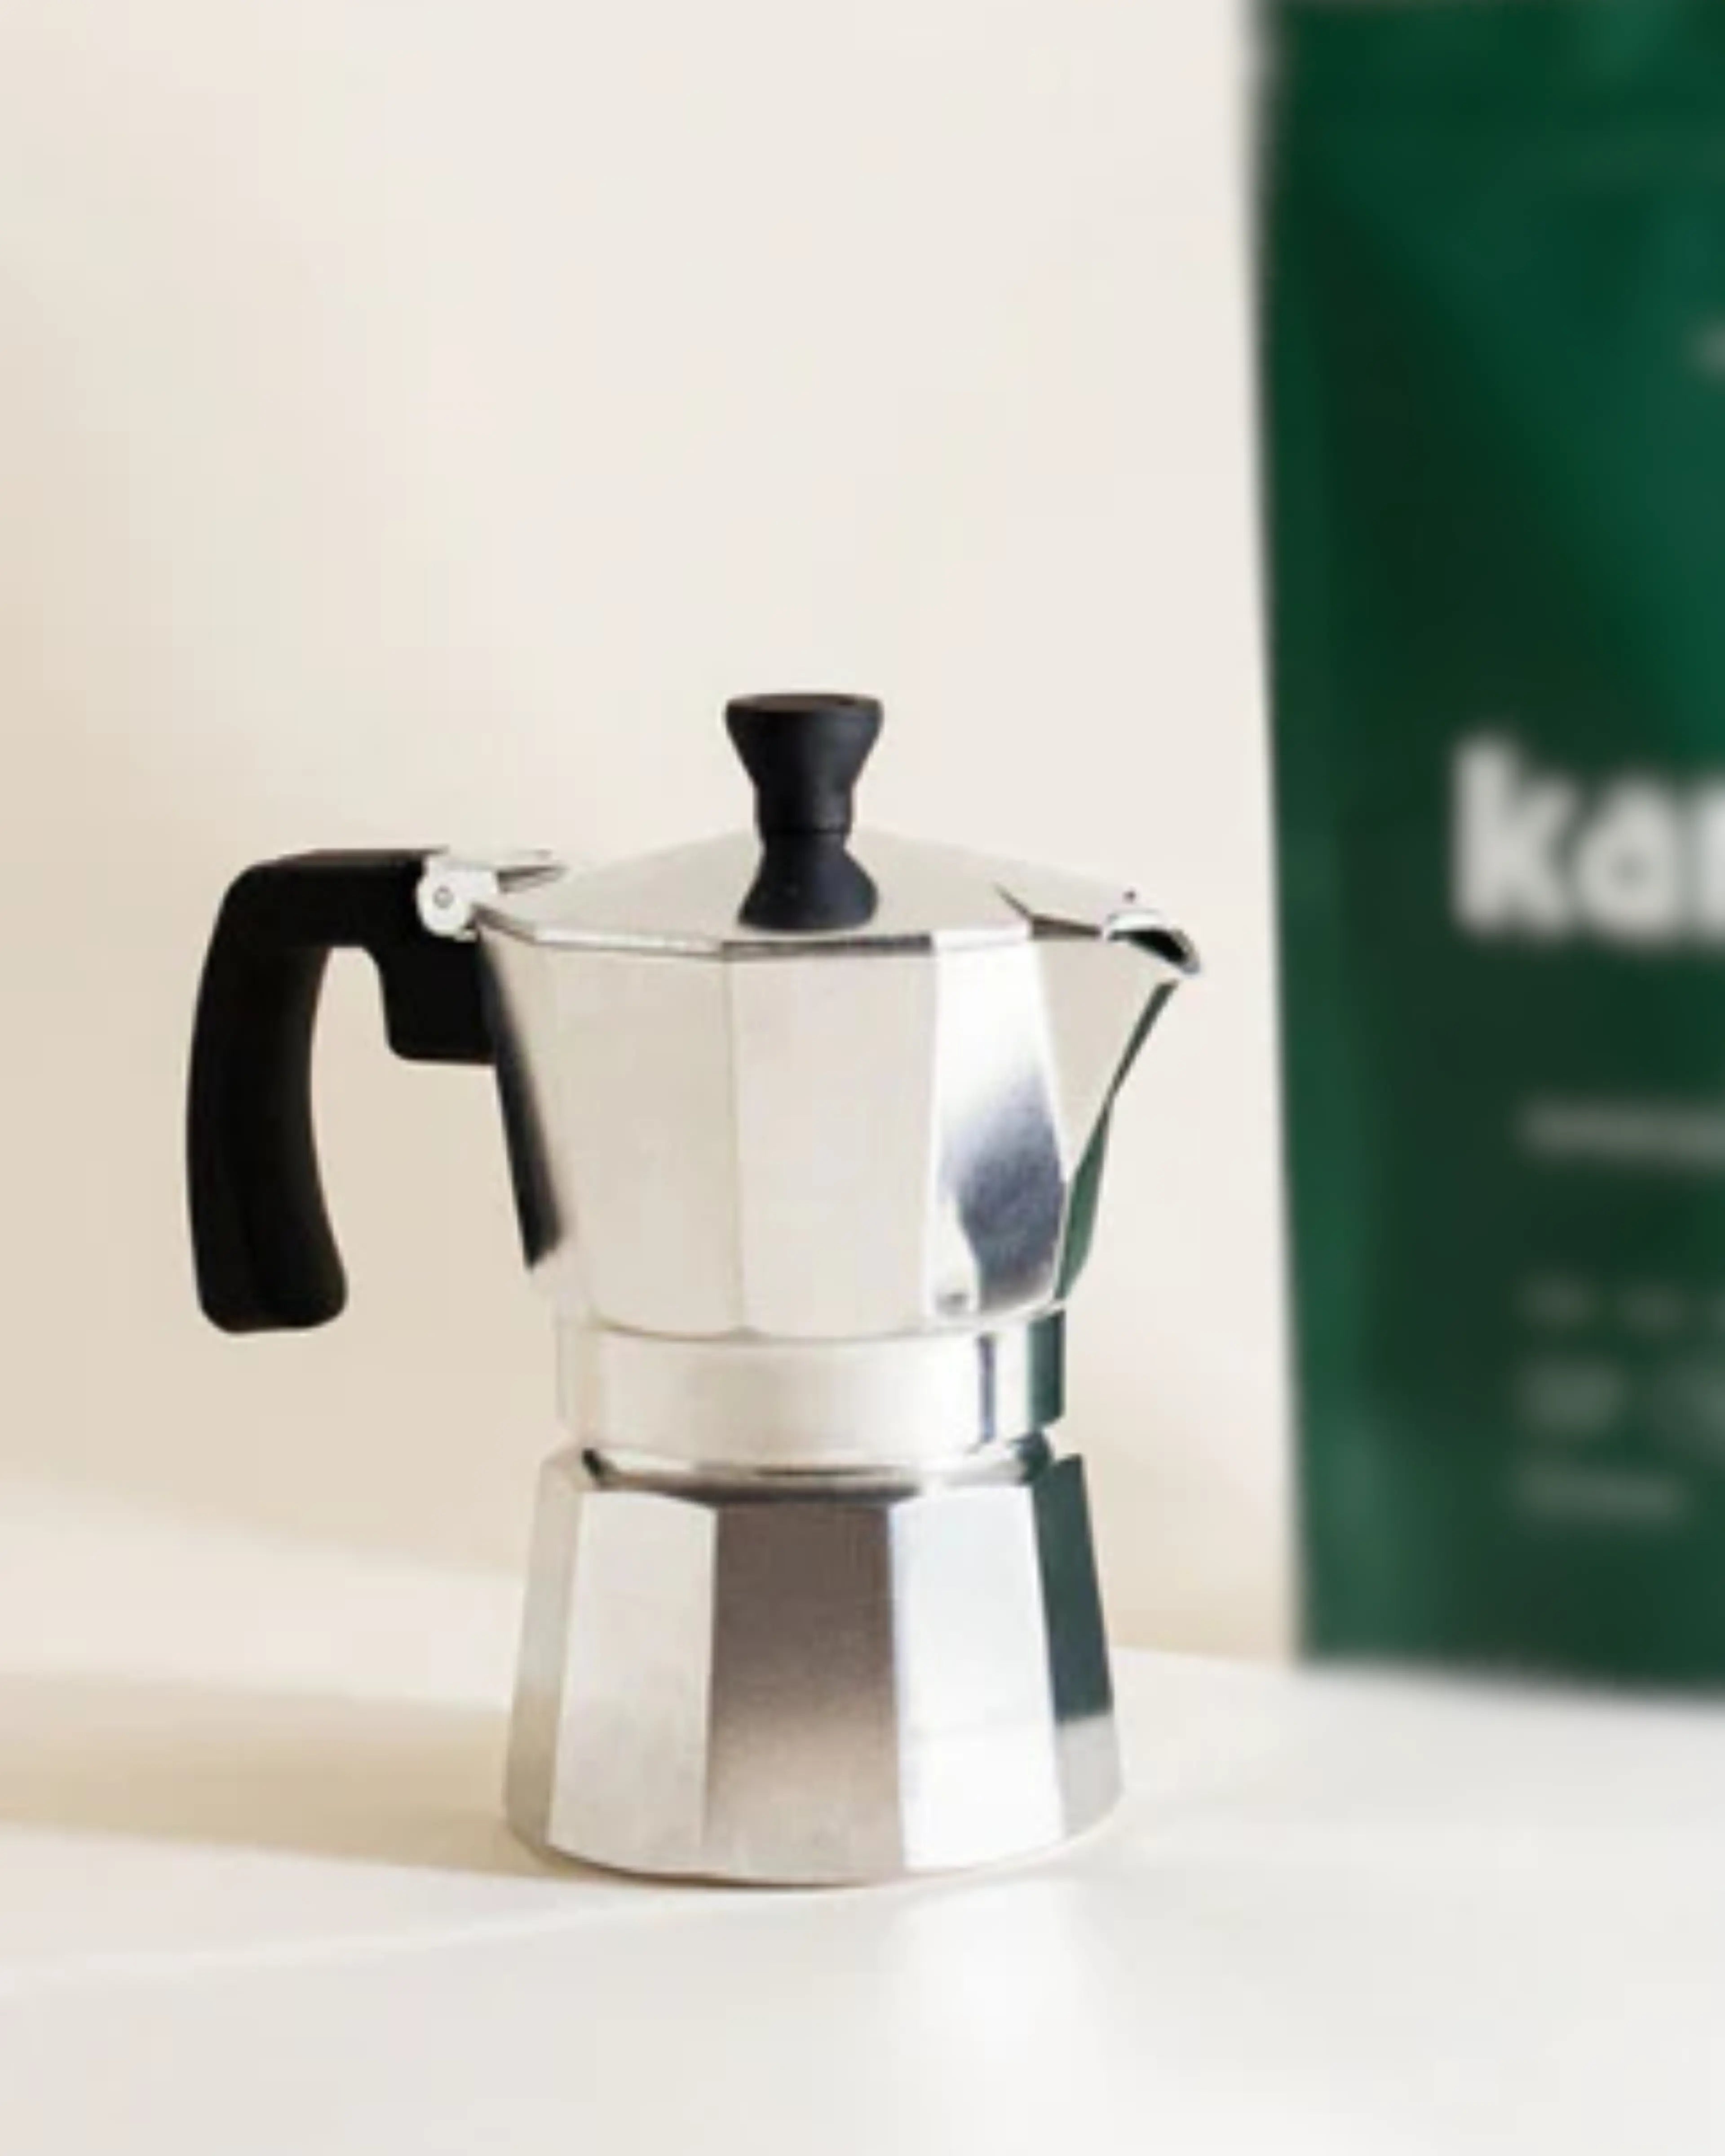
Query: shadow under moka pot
[806, 1134]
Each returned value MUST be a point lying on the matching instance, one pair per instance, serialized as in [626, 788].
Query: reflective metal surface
[806, 1139]
[811, 1689]
[854, 1140]
[918, 1401]
[694, 901]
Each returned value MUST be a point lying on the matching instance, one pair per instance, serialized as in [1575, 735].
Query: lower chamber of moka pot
[798, 1685]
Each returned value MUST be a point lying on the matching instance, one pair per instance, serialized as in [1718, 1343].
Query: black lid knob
[804, 753]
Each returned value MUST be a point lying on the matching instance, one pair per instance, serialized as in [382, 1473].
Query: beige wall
[415, 418]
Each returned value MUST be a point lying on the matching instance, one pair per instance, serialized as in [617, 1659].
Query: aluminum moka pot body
[806, 1131]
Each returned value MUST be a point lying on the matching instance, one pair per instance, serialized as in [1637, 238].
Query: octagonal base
[815, 1688]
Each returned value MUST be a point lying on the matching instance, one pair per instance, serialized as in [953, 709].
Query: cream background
[414, 420]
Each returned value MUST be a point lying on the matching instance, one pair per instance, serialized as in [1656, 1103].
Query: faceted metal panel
[833, 1162]
[690, 900]
[631, 1058]
[1094, 1000]
[611, 1703]
[535, 1123]
[819, 1145]
[808, 1690]
[998, 1199]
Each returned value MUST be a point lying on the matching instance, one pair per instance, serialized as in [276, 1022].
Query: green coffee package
[1493, 256]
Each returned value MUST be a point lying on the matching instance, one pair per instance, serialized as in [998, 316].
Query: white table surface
[255, 1896]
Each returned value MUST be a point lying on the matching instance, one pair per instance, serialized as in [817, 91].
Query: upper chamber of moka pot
[807, 1094]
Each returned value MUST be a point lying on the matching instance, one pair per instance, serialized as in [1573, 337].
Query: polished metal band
[812, 1407]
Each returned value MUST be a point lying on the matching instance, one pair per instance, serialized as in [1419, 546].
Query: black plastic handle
[266, 1258]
